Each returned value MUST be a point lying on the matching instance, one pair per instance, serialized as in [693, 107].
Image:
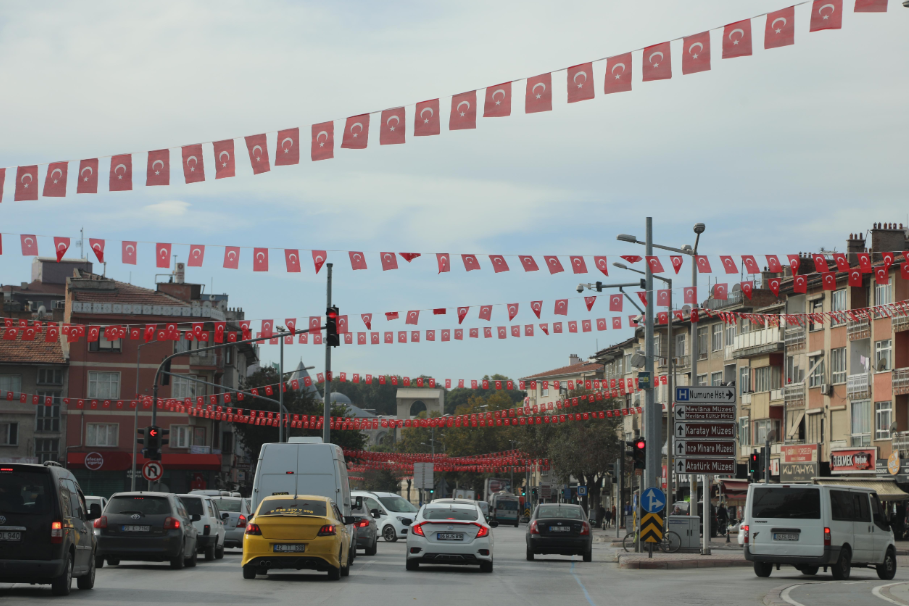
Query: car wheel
[87, 580]
[113, 561]
[219, 552]
[412, 565]
[389, 534]
[486, 566]
[372, 549]
[529, 554]
[179, 562]
[588, 555]
[193, 559]
[887, 569]
[516, 524]
[843, 566]
[249, 572]
[334, 574]
[809, 570]
[62, 584]
[209, 553]
[99, 561]
[763, 569]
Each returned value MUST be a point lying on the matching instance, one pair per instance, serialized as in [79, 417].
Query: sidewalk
[723, 554]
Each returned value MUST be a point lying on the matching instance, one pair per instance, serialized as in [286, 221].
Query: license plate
[559, 529]
[785, 536]
[10, 536]
[450, 536]
[136, 528]
[292, 548]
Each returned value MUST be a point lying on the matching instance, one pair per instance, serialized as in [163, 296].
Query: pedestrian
[612, 517]
[601, 516]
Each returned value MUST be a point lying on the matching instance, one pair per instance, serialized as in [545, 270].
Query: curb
[678, 564]
[774, 598]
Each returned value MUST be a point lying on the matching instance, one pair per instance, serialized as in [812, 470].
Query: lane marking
[878, 593]
[785, 596]
[584, 589]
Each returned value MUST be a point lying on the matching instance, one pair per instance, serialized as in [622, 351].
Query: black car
[367, 531]
[45, 530]
[146, 526]
[559, 528]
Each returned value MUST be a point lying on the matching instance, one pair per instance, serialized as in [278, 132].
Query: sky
[788, 150]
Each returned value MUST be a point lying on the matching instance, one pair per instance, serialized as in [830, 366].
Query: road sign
[654, 500]
[704, 431]
[582, 491]
[652, 528]
[152, 470]
[644, 381]
[705, 412]
[705, 466]
[545, 491]
[696, 448]
[423, 475]
[705, 394]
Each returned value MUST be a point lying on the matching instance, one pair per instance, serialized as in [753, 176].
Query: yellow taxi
[295, 533]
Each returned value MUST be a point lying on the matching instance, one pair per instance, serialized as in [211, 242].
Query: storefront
[102, 473]
[799, 463]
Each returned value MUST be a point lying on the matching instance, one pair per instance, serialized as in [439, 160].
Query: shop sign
[799, 453]
[853, 460]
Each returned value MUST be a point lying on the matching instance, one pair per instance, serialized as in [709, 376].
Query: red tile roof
[30, 352]
[574, 369]
[127, 294]
[37, 287]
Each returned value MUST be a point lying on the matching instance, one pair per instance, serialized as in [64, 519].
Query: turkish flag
[512, 310]
[257, 145]
[470, 262]
[498, 101]
[402, 336]
[55, 181]
[780, 28]
[391, 128]
[343, 327]
[696, 53]
[446, 334]
[318, 258]
[474, 333]
[703, 264]
[615, 302]
[601, 324]
[315, 324]
[871, 6]
[580, 82]
[260, 259]
[26, 183]
[88, 177]
[657, 62]
[602, 264]
[538, 97]
[444, 262]
[774, 285]
[864, 260]
[485, 312]
[578, 265]
[536, 306]
[737, 39]
[29, 245]
[97, 247]
[413, 317]
[128, 252]
[750, 264]
[196, 255]
[676, 261]
[544, 328]
[729, 264]
[528, 330]
[618, 74]
[663, 297]
[842, 263]
[642, 296]
[292, 259]
[528, 263]
[748, 288]
[557, 327]
[52, 334]
[502, 335]
[426, 119]
[774, 265]
[231, 257]
[794, 262]
[881, 277]
[121, 173]
[389, 261]
[356, 132]
[589, 301]
[464, 110]
[826, 14]
[498, 263]
[288, 151]
[820, 263]
[800, 284]
[225, 163]
[553, 263]
[367, 320]
[374, 338]
[61, 245]
[655, 266]
[516, 331]
[690, 295]
[828, 280]
[357, 260]
[323, 141]
[561, 307]
[193, 168]
[157, 171]
[904, 270]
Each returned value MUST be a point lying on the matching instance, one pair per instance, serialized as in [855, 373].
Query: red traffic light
[333, 314]
[640, 444]
[153, 432]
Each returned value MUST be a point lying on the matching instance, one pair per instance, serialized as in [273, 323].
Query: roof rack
[52, 464]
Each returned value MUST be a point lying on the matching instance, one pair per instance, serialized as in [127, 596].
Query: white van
[393, 513]
[809, 527]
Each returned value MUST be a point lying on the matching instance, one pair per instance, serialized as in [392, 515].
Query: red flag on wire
[737, 39]
[26, 183]
[826, 14]
[193, 169]
[356, 132]
[426, 120]
[618, 74]
[580, 83]
[257, 145]
[225, 163]
[463, 111]
[288, 150]
[657, 62]
[88, 177]
[696, 53]
[55, 181]
[538, 97]
[498, 101]
[780, 28]
[391, 127]
[323, 141]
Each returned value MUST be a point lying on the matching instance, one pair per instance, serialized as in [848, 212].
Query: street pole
[767, 457]
[326, 425]
[652, 421]
[670, 412]
[132, 482]
[282, 432]
[695, 351]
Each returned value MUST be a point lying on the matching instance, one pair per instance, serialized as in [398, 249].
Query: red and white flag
[561, 307]
[498, 101]
[389, 261]
[470, 262]
[444, 261]
[55, 181]
[486, 312]
[580, 83]
[356, 132]
[260, 259]
[538, 97]
[703, 264]
[462, 313]
[463, 111]
[97, 246]
[774, 265]
[367, 320]
[426, 120]
[696, 53]
[800, 284]
[498, 263]
[729, 264]
[292, 259]
[553, 263]
[545, 328]
[162, 255]
[61, 245]
[537, 307]
[618, 74]
[748, 288]
[231, 257]
[512, 310]
[323, 141]
[871, 6]
[257, 145]
[157, 171]
[657, 62]
[128, 253]
[121, 173]
[26, 183]
[413, 317]
[193, 167]
[794, 262]
[357, 260]
[774, 285]
[655, 266]
[826, 14]
[737, 39]
[318, 259]
[842, 263]
[828, 280]
[288, 150]
[690, 295]
[589, 301]
[29, 245]
[528, 263]
[602, 264]
[88, 177]
[864, 260]
[601, 324]
[780, 28]
[750, 264]
[391, 129]
[820, 263]
[663, 297]
[615, 302]
[676, 261]
[578, 265]
[225, 163]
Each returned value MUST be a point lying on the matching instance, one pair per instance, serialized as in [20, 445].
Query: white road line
[787, 599]
[877, 593]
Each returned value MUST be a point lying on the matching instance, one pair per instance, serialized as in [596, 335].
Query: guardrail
[858, 329]
[794, 392]
[857, 386]
[795, 338]
[900, 381]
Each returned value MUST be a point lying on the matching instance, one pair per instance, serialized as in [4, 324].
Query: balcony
[757, 342]
[900, 381]
[858, 387]
[858, 329]
[203, 358]
[794, 392]
[746, 399]
[727, 353]
[795, 338]
[680, 362]
[900, 321]
[776, 395]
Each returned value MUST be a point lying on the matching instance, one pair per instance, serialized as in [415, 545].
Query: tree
[459, 396]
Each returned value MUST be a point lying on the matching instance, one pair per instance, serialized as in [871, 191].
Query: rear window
[25, 492]
[149, 506]
[507, 505]
[786, 503]
[450, 513]
[291, 507]
[232, 505]
[193, 506]
[566, 513]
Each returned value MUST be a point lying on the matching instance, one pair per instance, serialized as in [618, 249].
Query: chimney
[887, 237]
[855, 244]
[573, 359]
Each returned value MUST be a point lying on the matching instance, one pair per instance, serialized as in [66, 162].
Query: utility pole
[326, 425]
[652, 420]
[282, 431]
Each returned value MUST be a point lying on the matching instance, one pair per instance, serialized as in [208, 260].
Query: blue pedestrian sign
[653, 500]
[582, 491]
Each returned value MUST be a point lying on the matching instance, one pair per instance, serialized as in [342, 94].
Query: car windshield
[25, 492]
[792, 503]
[231, 505]
[291, 507]
[507, 505]
[139, 504]
[565, 513]
[398, 505]
[193, 506]
[450, 513]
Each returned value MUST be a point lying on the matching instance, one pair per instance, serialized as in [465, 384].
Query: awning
[735, 489]
[120, 461]
[887, 491]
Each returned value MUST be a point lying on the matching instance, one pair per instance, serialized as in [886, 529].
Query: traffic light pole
[326, 427]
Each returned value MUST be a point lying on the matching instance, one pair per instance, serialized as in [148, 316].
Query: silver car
[235, 525]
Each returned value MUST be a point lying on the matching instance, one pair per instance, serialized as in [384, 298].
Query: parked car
[146, 526]
[367, 531]
[393, 513]
[45, 530]
[450, 533]
[294, 532]
[100, 501]
[237, 510]
[560, 528]
[806, 526]
[209, 526]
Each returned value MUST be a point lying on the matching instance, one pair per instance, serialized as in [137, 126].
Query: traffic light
[141, 441]
[523, 492]
[154, 440]
[756, 464]
[331, 327]
[165, 374]
[640, 453]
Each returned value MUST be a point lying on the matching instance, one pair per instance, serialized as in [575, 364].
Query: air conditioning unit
[826, 389]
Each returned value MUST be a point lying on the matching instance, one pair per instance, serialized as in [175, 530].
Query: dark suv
[45, 530]
[146, 526]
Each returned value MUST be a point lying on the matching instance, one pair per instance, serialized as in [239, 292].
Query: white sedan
[450, 533]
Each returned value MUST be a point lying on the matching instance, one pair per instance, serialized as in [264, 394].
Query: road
[381, 580]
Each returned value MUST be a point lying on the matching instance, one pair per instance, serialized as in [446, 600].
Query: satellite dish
[686, 308]
[881, 365]
[42, 310]
[893, 428]
[737, 288]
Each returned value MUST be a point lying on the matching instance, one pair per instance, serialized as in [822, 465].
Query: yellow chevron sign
[651, 528]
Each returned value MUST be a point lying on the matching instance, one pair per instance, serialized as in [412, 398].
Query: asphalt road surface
[381, 580]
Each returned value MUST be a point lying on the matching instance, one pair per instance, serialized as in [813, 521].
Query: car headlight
[405, 521]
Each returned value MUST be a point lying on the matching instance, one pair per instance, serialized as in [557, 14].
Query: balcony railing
[857, 386]
[900, 381]
[727, 353]
[858, 329]
[794, 393]
[900, 321]
[203, 358]
[681, 362]
[776, 395]
[757, 341]
[795, 338]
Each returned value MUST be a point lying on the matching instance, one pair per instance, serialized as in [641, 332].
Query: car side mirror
[494, 524]
[358, 502]
[94, 511]
[195, 517]
[375, 513]
[350, 520]
[225, 516]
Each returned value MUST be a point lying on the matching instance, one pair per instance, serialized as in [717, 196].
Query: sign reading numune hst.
[705, 394]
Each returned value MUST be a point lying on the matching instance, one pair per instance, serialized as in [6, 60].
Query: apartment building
[576, 372]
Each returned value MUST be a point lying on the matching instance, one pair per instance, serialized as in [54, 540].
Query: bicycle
[671, 542]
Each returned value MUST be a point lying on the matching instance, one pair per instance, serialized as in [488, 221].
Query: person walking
[601, 517]
[612, 517]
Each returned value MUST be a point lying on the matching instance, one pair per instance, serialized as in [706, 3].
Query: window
[861, 423]
[102, 434]
[47, 418]
[198, 436]
[181, 436]
[745, 379]
[883, 293]
[838, 365]
[815, 425]
[787, 503]
[46, 449]
[716, 379]
[9, 434]
[883, 417]
[680, 345]
[838, 304]
[183, 346]
[794, 372]
[103, 385]
[882, 358]
[730, 335]
[817, 307]
[544, 391]
[766, 378]
[103, 344]
[627, 364]
[763, 428]
[744, 431]
[619, 366]
[10, 383]
[717, 337]
[702, 379]
[817, 374]
[184, 388]
[229, 355]
[702, 343]
[746, 327]
[50, 376]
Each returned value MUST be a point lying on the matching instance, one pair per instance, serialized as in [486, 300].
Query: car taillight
[253, 529]
[171, 523]
[56, 532]
[827, 537]
[241, 521]
[585, 528]
[483, 532]
[101, 522]
[533, 528]
[327, 531]
[363, 523]
[745, 531]
[417, 530]
[206, 530]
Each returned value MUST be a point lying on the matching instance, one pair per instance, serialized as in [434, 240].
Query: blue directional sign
[582, 491]
[681, 394]
[653, 500]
